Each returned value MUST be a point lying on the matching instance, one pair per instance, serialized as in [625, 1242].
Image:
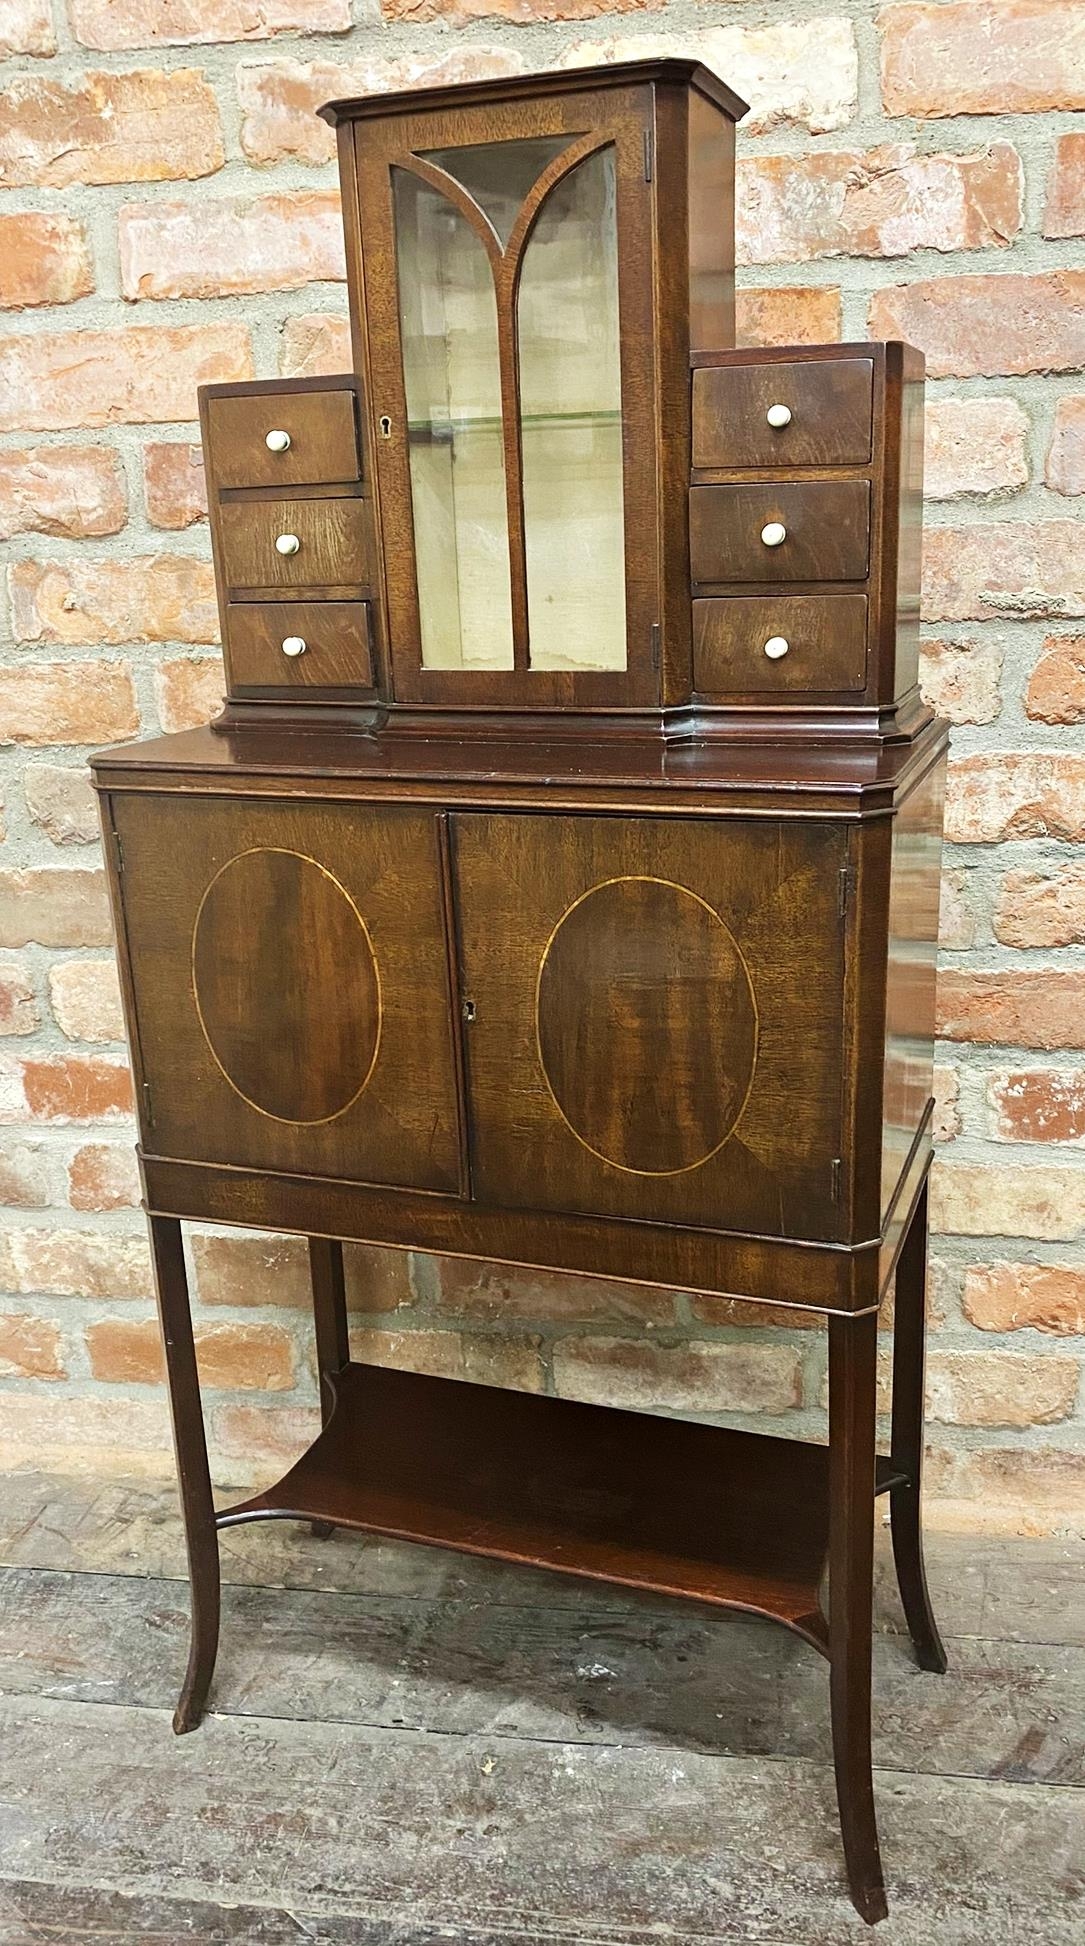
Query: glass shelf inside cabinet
[508, 302]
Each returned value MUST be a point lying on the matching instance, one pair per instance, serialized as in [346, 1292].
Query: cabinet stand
[735, 1519]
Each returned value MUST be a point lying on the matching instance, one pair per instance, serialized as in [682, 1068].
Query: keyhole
[385, 426]
[468, 1011]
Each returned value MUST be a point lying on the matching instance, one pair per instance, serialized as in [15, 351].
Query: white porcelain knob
[773, 535]
[289, 543]
[779, 415]
[277, 440]
[294, 645]
[775, 647]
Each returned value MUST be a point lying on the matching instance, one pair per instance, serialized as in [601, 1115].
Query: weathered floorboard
[1012, 1591]
[614, 1843]
[646, 1673]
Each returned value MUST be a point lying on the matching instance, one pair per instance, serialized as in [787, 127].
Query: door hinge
[148, 1106]
[118, 848]
[649, 154]
[656, 634]
[843, 890]
[837, 1166]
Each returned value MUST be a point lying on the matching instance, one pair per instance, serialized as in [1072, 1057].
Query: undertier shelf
[733, 1518]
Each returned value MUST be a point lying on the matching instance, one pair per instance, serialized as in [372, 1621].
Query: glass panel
[498, 175]
[448, 323]
[571, 412]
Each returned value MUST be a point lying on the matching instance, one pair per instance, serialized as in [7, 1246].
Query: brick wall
[170, 216]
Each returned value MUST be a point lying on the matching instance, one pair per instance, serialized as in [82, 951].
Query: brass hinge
[118, 848]
[656, 636]
[844, 890]
[837, 1166]
[148, 1106]
[649, 154]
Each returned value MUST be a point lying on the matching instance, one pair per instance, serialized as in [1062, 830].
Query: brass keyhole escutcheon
[385, 424]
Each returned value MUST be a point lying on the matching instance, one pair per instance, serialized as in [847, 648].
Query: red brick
[885, 202]
[956, 914]
[81, 1263]
[1056, 688]
[974, 446]
[251, 1270]
[1018, 1490]
[139, 126]
[1033, 794]
[54, 905]
[316, 345]
[26, 27]
[233, 1357]
[99, 1436]
[802, 73]
[279, 98]
[44, 259]
[1038, 1105]
[131, 375]
[73, 491]
[174, 486]
[1025, 1297]
[947, 1095]
[688, 1378]
[995, 1388]
[86, 999]
[115, 24]
[1013, 568]
[29, 1347]
[1064, 468]
[495, 1292]
[18, 1004]
[1037, 1008]
[150, 598]
[982, 57]
[189, 691]
[738, 1311]
[1064, 212]
[792, 314]
[972, 1199]
[961, 680]
[509, 1359]
[73, 1088]
[1042, 908]
[26, 1179]
[263, 1438]
[62, 802]
[103, 1176]
[67, 702]
[377, 1281]
[994, 326]
[230, 247]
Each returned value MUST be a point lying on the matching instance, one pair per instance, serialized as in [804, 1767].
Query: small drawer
[332, 548]
[263, 637]
[745, 644]
[828, 402]
[789, 530]
[320, 428]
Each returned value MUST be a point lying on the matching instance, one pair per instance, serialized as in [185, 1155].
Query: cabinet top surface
[619, 74]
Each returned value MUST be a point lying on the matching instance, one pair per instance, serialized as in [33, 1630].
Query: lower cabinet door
[290, 974]
[655, 1013]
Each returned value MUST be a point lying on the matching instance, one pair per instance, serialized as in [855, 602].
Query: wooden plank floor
[410, 1747]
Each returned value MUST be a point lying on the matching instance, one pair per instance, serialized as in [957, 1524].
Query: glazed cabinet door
[507, 269]
[655, 1013]
[290, 987]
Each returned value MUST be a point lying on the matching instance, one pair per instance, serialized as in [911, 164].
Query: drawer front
[332, 550]
[826, 531]
[336, 636]
[815, 642]
[320, 427]
[829, 401]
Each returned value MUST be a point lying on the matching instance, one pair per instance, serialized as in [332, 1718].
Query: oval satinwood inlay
[286, 985]
[646, 1025]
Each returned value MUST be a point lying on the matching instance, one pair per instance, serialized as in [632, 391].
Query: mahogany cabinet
[559, 883]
